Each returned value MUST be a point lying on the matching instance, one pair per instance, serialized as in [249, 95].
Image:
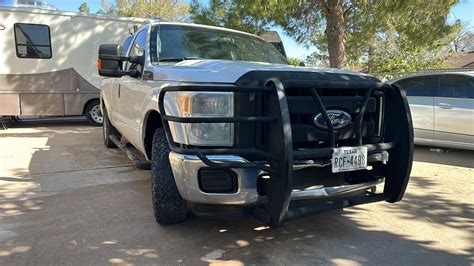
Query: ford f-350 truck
[228, 128]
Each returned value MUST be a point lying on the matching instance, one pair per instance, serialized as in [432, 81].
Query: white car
[442, 106]
[231, 129]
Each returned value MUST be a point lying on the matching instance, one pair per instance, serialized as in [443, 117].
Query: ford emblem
[339, 119]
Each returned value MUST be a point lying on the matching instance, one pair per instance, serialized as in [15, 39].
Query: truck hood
[227, 71]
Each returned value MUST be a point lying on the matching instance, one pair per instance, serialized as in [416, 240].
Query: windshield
[176, 43]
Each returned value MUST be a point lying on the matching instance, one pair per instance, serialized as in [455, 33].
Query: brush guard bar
[279, 155]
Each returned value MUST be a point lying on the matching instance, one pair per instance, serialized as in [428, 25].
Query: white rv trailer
[48, 61]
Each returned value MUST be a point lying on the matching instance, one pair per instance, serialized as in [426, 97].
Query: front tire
[93, 114]
[168, 205]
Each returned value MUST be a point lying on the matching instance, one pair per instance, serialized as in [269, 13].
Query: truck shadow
[113, 222]
[420, 223]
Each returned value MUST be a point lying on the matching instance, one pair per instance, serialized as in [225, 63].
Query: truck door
[131, 90]
[454, 109]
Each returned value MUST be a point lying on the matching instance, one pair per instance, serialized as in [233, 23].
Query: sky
[464, 11]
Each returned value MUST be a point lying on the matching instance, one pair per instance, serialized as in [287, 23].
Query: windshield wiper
[177, 59]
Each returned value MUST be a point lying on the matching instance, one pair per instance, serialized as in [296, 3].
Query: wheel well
[153, 122]
[87, 103]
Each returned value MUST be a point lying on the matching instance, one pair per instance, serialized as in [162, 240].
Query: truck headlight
[207, 104]
[217, 104]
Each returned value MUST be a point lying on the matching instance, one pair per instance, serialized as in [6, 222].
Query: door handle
[445, 106]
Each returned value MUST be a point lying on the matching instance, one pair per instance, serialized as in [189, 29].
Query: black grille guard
[279, 155]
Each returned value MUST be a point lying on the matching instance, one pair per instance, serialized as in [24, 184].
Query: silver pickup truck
[228, 128]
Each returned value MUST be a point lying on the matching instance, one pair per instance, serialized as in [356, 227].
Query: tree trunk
[336, 33]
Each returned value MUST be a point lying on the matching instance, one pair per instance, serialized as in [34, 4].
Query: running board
[131, 154]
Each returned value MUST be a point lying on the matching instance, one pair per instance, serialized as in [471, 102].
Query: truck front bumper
[186, 169]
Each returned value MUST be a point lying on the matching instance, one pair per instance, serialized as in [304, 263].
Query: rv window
[32, 41]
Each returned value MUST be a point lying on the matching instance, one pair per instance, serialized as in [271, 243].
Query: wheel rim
[96, 114]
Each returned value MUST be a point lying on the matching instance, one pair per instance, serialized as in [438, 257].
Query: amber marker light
[99, 64]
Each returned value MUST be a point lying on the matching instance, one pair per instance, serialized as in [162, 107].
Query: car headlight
[206, 104]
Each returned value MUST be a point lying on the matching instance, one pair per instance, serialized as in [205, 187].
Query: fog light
[217, 181]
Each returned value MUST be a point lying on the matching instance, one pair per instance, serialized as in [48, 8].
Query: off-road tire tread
[168, 205]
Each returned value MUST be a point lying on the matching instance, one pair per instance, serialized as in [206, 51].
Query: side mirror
[108, 67]
[110, 62]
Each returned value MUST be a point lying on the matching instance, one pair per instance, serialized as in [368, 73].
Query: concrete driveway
[65, 199]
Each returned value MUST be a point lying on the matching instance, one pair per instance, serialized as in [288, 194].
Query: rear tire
[93, 114]
[108, 129]
[168, 205]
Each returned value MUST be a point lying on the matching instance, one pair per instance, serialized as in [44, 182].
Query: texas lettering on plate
[347, 159]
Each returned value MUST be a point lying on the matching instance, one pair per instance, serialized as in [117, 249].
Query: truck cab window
[138, 49]
[32, 41]
[126, 44]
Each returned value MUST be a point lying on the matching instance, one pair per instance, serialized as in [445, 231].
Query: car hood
[227, 71]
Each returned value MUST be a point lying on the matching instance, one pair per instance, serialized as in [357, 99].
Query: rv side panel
[74, 103]
[42, 104]
[57, 75]
[10, 104]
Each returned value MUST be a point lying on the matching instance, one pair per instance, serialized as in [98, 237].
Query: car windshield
[172, 43]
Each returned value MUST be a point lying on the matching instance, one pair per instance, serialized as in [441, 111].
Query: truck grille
[303, 110]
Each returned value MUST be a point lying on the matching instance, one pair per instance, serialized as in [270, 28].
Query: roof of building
[461, 59]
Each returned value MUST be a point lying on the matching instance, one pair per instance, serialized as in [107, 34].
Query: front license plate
[347, 159]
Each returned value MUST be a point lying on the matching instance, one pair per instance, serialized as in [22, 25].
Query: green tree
[395, 53]
[317, 59]
[342, 30]
[84, 8]
[294, 61]
[172, 10]
[240, 15]
[105, 7]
